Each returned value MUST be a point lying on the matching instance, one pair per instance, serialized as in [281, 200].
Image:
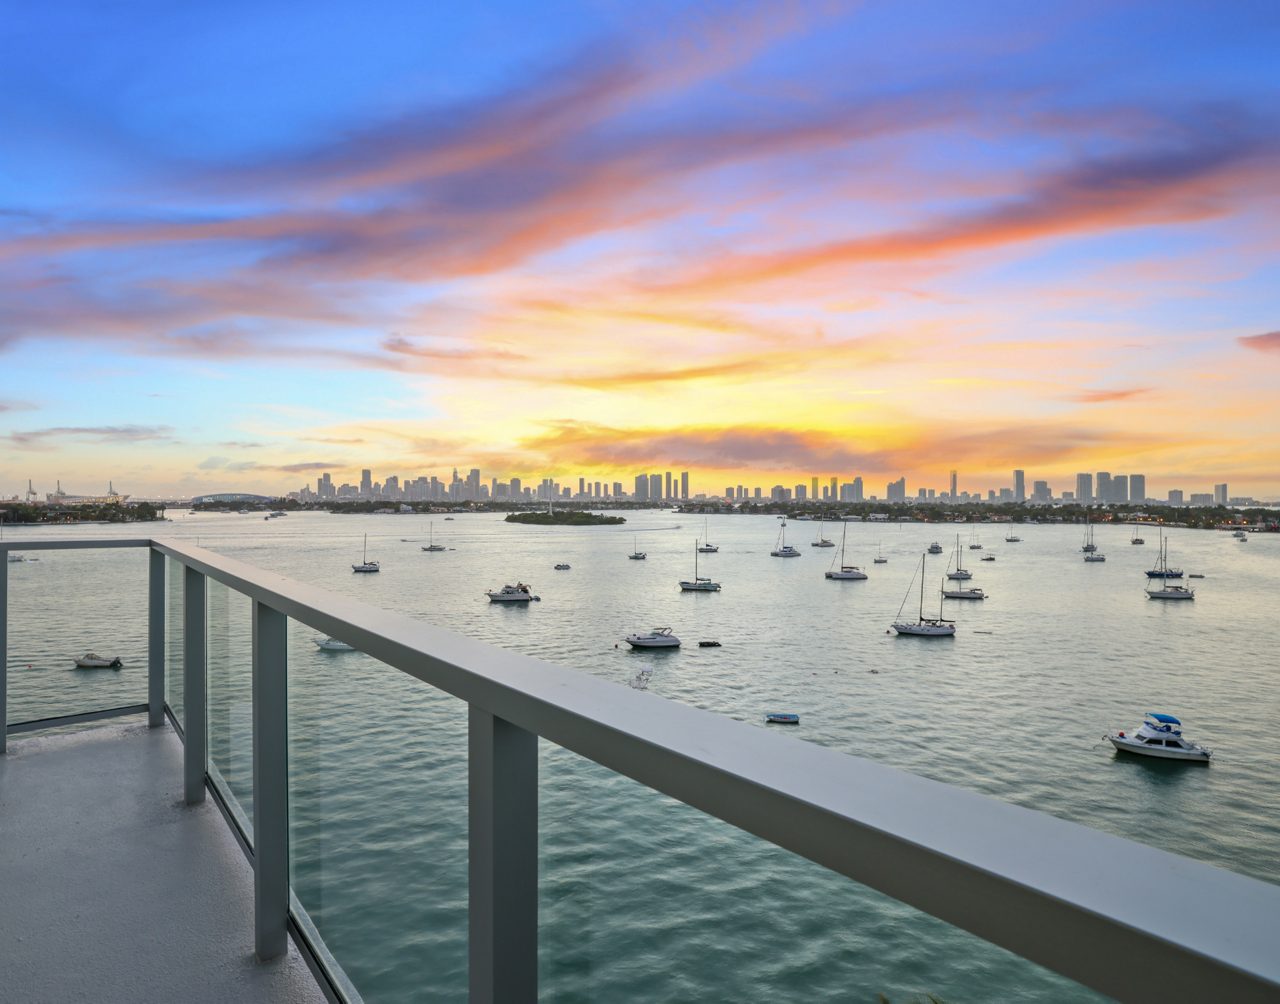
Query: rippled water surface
[643, 898]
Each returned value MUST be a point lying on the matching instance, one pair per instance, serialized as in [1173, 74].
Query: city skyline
[750, 242]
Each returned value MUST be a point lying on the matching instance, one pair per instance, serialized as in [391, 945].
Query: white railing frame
[1106, 912]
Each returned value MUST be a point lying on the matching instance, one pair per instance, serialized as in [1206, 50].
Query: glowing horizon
[757, 242]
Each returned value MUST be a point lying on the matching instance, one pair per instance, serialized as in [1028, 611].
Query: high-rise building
[684, 484]
[392, 488]
[777, 493]
[1175, 497]
[813, 488]
[857, 490]
[473, 484]
[1006, 495]
[1102, 490]
[758, 493]
[1019, 486]
[515, 487]
[655, 487]
[668, 491]
[617, 489]
[897, 490]
[1220, 494]
[728, 493]
[953, 486]
[1137, 487]
[1201, 498]
[596, 493]
[642, 488]
[1084, 488]
[1040, 492]
[921, 493]
[833, 488]
[1120, 489]
[801, 492]
[366, 483]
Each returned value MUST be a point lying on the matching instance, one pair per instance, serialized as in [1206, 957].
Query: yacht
[935, 548]
[1167, 590]
[698, 585]
[519, 593]
[928, 627]
[1160, 738]
[988, 557]
[784, 550]
[657, 638]
[1095, 556]
[1239, 534]
[705, 547]
[431, 539]
[845, 571]
[962, 592]
[15, 558]
[332, 644]
[365, 564]
[959, 573]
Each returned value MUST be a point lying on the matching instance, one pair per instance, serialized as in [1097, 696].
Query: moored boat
[928, 627]
[331, 644]
[660, 637]
[1159, 738]
[91, 660]
[519, 593]
[845, 571]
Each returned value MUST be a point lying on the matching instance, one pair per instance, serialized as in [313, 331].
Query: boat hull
[959, 575]
[700, 587]
[846, 575]
[791, 553]
[500, 598]
[1160, 752]
[653, 643]
[1170, 594]
[964, 594]
[926, 630]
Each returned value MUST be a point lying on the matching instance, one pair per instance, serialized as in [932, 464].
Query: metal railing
[1106, 912]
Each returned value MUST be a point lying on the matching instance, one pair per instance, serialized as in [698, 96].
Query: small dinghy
[333, 645]
[1160, 739]
[783, 719]
[562, 568]
[92, 661]
[708, 644]
[988, 557]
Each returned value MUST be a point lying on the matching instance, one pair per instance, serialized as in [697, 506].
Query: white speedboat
[928, 627]
[519, 593]
[333, 645]
[783, 549]
[1239, 533]
[431, 538]
[91, 660]
[698, 584]
[365, 564]
[1167, 590]
[1160, 739]
[935, 548]
[657, 638]
[845, 571]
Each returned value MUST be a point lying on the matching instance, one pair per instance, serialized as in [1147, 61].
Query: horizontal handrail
[74, 545]
[1102, 910]
[57, 721]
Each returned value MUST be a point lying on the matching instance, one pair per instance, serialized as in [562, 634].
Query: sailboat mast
[922, 588]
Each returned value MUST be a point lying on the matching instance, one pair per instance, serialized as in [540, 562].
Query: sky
[244, 243]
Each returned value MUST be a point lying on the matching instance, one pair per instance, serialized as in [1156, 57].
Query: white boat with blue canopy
[1161, 737]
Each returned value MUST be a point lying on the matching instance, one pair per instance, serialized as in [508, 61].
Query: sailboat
[699, 585]
[1168, 590]
[1134, 538]
[960, 572]
[880, 559]
[1011, 537]
[975, 542]
[822, 541]
[637, 554]
[704, 547]
[846, 571]
[365, 564]
[1090, 548]
[431, 537]
[929, 627]
[784, 550]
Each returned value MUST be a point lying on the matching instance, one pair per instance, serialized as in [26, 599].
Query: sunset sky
[242, 243]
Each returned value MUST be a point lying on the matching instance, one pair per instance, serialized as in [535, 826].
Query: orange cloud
[1101, 396]
[1269, 342]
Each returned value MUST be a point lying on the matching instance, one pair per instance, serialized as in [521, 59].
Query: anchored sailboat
[960, 572]
[1168, 590]
[784, 550]
[699, 585]
[846, 571]
[929, 627]
[821, 541]
[365, 564]
[431, 537]
[704, 547]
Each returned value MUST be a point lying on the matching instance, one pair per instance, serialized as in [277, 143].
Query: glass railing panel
[173, 635]
[229, 683]
[63, 606]
[378, 821]
[643, 898]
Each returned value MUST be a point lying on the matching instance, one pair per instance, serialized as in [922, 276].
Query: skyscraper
[515, 487]
[1220, 494]
[473, 484]
[684, 485]
[953, 486]
[896, 491]
[801, 492]
[1102, 490]
[655, 487]
[582, 486]
[833, 489]
[668, 492]
[857, 488]
[813, 489]
[1137, 487]
[642, 488]
[1019, 486]
[1040, 492]
[1120, 489]
[366, 483]
[1175, 497]
[757, 493]
[1084, 489]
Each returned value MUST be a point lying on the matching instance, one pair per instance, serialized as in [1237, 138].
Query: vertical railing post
[503, 861]
[155, 640]
[193, 685]
[4, 654]
[270, 782]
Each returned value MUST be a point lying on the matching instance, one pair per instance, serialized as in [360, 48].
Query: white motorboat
[783, 549]
[91, 660]
[1160, 739]
[935, 548]
[333, 645]
[431, 538]
[699, 585]
[1167, 590]
[519, 593]
[1239, 534]
[244, 512]
[845, 571]
[927, 627]
[365, 564]
[637, 554]
[705, 547]
[657, 638]
[958, 572]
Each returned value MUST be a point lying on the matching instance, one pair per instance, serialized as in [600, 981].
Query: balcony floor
[111, 889]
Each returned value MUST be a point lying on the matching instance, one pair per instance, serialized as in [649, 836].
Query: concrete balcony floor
[112, 889]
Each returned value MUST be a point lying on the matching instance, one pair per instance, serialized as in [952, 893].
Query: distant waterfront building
[1019, 486]
[813, 489]
[728, 493]
[617, 490]
[655, 487]
[1084, 489]
[516, 489]
[1202, 498]
[668, 491]
[1220, 494]
[921, 493]
[230, 497]
[366, 482]
[1175, 497]
[1120, 488]
[776, 493]
[1137, 487]
[1068, 496]
[1006, 495]
[953, 486]
[684, 484]
[833, 488]
[801, 492]
[1040, 491]
[642, 488]
[897, 490]
[1102, 489]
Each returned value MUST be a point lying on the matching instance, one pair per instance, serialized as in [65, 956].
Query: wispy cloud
[16, 406]
[1102, 396]
[240, 446]
[40, 438]
[1269, 342]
